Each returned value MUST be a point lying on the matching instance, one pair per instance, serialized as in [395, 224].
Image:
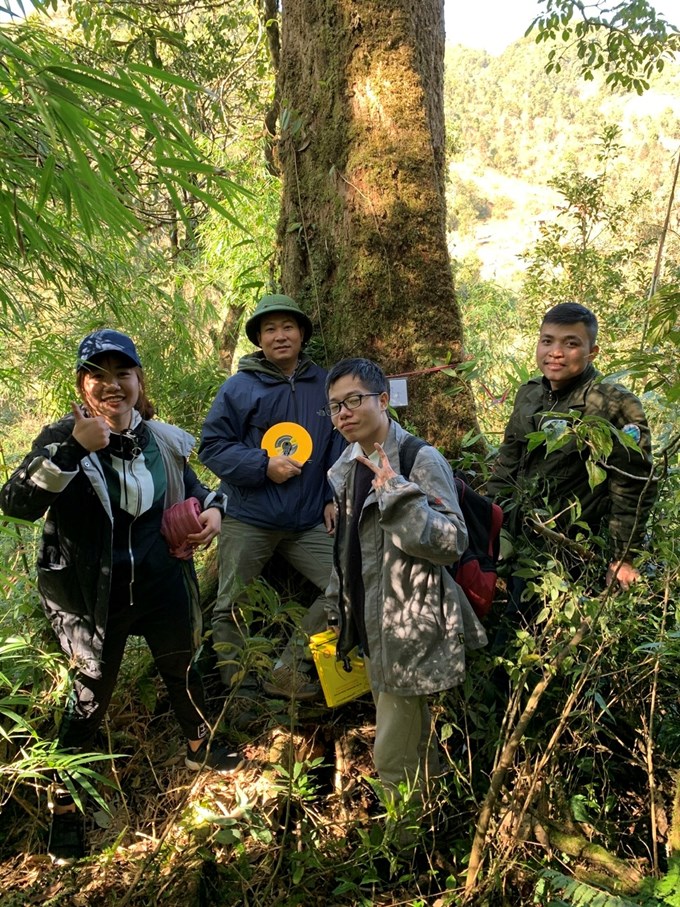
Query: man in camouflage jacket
[569, 390]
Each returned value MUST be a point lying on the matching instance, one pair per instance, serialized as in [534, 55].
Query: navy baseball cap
[106, 341]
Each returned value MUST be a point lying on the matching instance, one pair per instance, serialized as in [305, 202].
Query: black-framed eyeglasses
[354, 401]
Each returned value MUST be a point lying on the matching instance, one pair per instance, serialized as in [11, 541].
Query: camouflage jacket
[620, 505]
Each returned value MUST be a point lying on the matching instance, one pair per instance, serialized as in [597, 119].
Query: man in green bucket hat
[267, 440]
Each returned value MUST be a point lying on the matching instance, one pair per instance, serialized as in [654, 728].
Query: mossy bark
[362, 228]
[623, 877]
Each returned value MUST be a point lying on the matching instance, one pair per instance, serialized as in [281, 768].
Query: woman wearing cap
[105, 474]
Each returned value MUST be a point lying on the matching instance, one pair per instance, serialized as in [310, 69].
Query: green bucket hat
[268, 305]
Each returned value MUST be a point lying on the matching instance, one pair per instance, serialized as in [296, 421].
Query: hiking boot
[66, 842]
[221, 759]
[287, 683]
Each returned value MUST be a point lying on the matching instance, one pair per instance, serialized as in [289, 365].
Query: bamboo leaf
[162, 75]
[107, 89]
[208, 199]
[46, 181]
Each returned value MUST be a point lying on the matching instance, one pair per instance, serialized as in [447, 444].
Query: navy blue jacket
[258, 396]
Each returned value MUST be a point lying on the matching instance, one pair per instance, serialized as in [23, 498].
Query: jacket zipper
[131, 553]
[132, 562]
[291, 382]
[524, 457]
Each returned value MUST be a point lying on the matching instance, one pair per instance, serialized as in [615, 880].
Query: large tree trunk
[362, 229]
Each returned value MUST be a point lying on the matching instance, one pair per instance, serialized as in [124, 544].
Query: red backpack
[475, 572]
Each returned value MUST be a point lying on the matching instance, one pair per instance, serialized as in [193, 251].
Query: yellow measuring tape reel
[288, 439]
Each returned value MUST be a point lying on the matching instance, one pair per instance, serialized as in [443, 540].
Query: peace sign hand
[92, 433]
[383, 471]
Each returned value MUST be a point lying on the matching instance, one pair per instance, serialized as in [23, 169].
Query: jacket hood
[257, 362]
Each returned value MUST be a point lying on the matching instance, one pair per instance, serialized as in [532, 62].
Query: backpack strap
[408, 453]
[475, 570]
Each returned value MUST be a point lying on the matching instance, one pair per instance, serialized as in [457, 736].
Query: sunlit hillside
[511, 129]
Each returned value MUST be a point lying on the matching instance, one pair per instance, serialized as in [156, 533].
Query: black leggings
[161, 614]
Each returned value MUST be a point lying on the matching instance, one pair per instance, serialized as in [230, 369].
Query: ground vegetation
[561, 750]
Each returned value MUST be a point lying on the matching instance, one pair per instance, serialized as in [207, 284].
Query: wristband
[217, 501]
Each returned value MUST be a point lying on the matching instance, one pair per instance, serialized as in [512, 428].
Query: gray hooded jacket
[418, 620]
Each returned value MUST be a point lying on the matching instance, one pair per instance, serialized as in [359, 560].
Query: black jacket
[74, 567]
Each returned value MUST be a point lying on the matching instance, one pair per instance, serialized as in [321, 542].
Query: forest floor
[299, 824]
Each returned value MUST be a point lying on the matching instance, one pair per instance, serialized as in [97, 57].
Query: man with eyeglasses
[274, 502]
[390, 590]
